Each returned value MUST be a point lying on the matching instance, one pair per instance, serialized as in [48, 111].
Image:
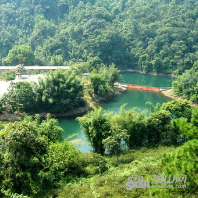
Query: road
[30, 78]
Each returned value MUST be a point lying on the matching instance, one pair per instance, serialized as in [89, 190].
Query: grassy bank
[146, 162]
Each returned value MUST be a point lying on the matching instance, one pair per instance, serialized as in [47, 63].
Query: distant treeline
[148, 35]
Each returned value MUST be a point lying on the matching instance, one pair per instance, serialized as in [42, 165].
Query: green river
[133, 98]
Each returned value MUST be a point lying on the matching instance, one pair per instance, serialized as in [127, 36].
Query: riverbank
[71, 113]
[83, 110]
[170, 94]
[149, 73]
[11, 117]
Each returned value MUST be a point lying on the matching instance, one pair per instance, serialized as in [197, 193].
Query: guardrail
[35, 67]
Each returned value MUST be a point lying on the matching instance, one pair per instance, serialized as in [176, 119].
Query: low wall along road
[36, 67]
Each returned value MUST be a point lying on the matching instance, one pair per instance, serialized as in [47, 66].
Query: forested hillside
[186, 85]
[148, 35]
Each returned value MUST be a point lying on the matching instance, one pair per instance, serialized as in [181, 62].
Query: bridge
[139, 87]
[35, 67]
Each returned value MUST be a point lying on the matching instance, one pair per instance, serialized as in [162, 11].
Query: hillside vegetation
[35, 162]
[186, 85]
[148, 35]
[98, 37]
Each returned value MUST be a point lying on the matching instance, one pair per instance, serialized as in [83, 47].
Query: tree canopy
[186, 85]
[58, 92]
[20, 54]
[149, 35]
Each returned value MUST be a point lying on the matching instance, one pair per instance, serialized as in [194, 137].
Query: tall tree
[60, 91]
[20, 97]
[96, 126]
[20, 54]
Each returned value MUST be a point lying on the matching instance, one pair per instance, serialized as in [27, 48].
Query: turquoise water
[137, 98]
[133, 98]
[147, 80]
[72, 127]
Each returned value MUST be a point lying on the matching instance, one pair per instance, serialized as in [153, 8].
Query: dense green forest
[148, 35]
[35, 162]
[186, 85]
[97, 37]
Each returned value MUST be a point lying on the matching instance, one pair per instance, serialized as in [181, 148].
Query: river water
[133, 98]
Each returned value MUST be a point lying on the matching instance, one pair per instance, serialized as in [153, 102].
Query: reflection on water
[147, 80]
[134, 98]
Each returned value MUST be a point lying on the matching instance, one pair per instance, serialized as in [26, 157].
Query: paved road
[36, 67]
